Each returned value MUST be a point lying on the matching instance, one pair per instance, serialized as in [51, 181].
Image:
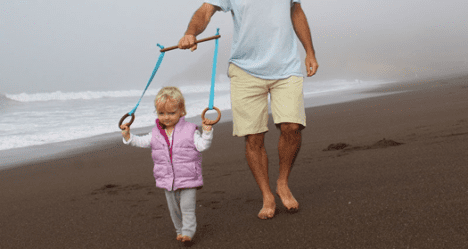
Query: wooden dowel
[198, 41]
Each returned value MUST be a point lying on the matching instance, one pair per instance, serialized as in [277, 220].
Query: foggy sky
[83, 45]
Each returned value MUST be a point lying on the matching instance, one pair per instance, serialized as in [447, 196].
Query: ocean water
[30, 119]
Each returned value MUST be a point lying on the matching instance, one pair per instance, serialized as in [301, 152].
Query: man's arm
[301, 27]
[197, 25]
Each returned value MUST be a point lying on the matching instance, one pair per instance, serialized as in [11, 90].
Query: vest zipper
[170, 156]
[169, 147]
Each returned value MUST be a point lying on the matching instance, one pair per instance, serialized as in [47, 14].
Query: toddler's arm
[140, 141]
[203, 141]
[137, 141]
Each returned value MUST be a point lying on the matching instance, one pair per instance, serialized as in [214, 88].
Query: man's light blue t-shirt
[264, 43]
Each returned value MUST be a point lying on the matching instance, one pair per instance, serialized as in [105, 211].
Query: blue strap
[213, 73]
[161, 56]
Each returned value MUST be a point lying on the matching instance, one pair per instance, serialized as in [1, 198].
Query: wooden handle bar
[202, 40]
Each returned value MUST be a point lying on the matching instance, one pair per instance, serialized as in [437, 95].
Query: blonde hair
[171, 92]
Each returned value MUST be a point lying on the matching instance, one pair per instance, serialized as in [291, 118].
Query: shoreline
[15, 157]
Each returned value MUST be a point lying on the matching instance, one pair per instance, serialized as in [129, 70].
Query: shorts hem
[249, 133]
[291, 121]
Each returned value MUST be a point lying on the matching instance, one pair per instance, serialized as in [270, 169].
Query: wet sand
[382, 172]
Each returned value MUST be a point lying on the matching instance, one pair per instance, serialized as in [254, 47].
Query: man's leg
[258, 163]
[249, 100]
[287, 104]
[288, 147]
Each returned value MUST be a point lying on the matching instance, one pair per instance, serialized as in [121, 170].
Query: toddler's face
[169, 112]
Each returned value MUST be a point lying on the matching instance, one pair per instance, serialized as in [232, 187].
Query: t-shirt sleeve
[225, 5]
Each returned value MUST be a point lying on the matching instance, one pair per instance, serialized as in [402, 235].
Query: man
[264, 59]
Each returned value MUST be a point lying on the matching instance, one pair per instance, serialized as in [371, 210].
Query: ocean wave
[4, 100]
[221, 86]
[58, 95]
[89, 95]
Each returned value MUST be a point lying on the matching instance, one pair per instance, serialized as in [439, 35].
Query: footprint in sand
[338, 146]
[114, 189]
[455, 134]
[133, 187]
[384, 143]
[209, 204]
[108, 188]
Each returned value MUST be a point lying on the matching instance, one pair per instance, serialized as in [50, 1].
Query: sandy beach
[382, 172]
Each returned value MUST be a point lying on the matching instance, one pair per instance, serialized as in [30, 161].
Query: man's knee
[255, 140]
[290, 127]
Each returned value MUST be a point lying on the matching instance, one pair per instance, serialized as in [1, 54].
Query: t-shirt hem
[269, 77]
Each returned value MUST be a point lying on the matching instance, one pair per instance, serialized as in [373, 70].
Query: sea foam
[86, 95]
[89, 95]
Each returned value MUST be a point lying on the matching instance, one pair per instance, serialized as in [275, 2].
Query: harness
[158, 63]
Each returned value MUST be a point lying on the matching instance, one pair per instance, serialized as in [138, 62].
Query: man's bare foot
[287, 198]
[269, 207]
[179, 237]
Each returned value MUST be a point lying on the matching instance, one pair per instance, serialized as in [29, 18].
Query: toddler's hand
[125, 131]
[207, 124]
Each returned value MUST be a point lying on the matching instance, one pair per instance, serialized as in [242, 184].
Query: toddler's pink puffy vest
[181, 166]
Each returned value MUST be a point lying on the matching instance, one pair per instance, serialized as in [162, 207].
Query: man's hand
[188, 41]
[311, 65]
[197, 25]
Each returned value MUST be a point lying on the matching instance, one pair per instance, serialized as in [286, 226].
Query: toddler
[175, 148]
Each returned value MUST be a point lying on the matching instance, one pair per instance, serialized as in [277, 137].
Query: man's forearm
[301, 27]
[200, 20]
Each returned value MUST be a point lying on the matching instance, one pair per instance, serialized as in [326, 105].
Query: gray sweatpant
[182, 203]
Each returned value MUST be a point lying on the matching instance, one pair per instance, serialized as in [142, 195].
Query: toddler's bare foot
[186, 240]
[268, 210]
[179, 237]
[287, 198]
